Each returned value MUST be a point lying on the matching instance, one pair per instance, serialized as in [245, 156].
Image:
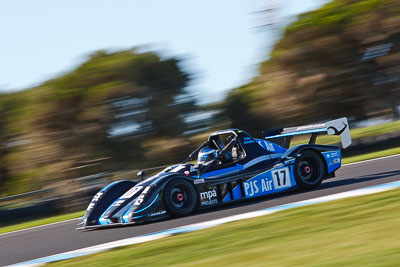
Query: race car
[230, 166]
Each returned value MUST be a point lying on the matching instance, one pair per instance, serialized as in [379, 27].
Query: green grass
[385, 128]
[39, 222]
[372, 155]
[362, 231]
[14, 205]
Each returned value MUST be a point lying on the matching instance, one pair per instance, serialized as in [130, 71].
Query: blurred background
[91, 92]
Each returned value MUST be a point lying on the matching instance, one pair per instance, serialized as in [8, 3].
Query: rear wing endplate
[335, 127]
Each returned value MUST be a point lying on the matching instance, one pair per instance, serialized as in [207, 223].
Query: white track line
[39, 226]
[49, 224]
[369, 160]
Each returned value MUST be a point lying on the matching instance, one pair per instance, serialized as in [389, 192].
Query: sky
[219, 40]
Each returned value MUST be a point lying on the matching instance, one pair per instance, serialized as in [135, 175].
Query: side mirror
[200, 167]
[141, 174]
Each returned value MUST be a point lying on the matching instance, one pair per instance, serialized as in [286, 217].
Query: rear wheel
[180, 197]
[309, 170]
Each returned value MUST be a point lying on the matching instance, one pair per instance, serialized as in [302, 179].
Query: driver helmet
[206, 155]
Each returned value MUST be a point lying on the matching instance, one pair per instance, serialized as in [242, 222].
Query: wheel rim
[180, 196]
[309, 170]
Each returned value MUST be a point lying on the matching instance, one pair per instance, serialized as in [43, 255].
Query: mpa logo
[208, 195]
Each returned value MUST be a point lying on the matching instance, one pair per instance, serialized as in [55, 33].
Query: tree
[4, 173]
[113, 101]
[339, 60]
[101, 116]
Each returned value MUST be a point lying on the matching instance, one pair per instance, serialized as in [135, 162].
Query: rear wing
[339, 127]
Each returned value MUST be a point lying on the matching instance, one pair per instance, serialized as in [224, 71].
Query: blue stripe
[109, 185]
[125, 217]
[147, 213]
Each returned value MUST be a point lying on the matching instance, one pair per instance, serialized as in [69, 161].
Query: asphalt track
[62, 237]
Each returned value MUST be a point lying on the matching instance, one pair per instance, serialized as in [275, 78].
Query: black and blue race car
[230, 166]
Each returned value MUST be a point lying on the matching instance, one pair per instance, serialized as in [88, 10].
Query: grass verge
[39, 222]
[360, 231]
[372, 155]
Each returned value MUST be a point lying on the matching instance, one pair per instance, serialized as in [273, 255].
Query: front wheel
[180, 197]
[309, 170]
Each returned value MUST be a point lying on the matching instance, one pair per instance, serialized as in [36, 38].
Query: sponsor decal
[208, 194]
[131, 192]
[91, 205]
[97, 196]
[267, 182]
[199, 181]
[332, 130]
[335, 161]
[94, 200]
[281, 178]
[333, 158]
[179, 168]
[312, 126]
[334, 154]
[253, 187]
[118, 203]
[140, 199]
[209, 202]
[158, 213]
[208, 198]
[270, 147]
[146, 190]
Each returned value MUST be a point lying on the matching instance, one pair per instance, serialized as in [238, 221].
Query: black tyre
[180, 197]
[309, 170]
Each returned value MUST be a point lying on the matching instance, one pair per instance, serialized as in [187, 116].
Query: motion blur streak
[122, 110]
[209, 224]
